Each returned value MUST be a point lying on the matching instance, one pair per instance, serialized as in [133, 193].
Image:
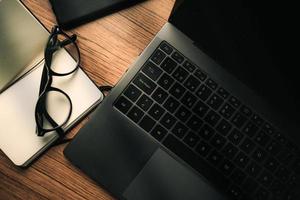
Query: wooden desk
[108, 46]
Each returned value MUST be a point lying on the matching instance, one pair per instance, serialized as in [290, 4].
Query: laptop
[209, 110]
[22, 43]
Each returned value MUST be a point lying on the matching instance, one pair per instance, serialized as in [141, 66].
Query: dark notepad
[71, 13]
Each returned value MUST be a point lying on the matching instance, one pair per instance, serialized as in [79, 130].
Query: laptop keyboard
[194, 117]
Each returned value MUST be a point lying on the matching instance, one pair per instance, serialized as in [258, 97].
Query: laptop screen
[253, 40]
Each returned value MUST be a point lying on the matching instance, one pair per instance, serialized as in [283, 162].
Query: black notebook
[71, 13]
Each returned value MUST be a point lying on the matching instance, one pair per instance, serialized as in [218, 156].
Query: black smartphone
[72, 13]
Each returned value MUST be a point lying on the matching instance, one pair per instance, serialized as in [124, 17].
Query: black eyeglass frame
[53, 44]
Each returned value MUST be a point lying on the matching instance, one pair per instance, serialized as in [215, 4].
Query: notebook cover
[72, 13]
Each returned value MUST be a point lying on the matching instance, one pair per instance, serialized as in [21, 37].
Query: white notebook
[22, 42]
[18, 138]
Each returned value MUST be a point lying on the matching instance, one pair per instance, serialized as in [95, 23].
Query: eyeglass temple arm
[68, 41]
[59, 130]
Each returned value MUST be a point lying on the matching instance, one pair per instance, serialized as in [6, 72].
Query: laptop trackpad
[163, 178]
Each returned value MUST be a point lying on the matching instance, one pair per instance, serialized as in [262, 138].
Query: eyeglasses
[47, 116]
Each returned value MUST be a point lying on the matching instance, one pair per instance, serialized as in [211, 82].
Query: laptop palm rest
[164, 178]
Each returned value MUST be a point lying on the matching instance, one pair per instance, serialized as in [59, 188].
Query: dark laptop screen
[253, 40]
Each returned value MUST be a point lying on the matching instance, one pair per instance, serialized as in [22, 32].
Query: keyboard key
[191, 83]
[235, 136]
[168, 120]
[227, 111]
[271, 164]
[293, 181]
[246, 111]
[178, 57]
[253, 169]
[158, 56]
[223, 93]
[171, 104]
[159, 95]
[212, 118]
[168, 65]
[268, 128]
[200, 75]
[238, 176]
[235, 192]
[152, 71]
[226, 167]
[250, 185]
[132, 93]
[278, 189]
[189, 66]
[250, 129]
[191, 139]
[215, 158]
[285, 156]
[283, 174]
[262, 194]
[262, 138]
[206, 132]
[179, 130]
[265, 179]
[189, 99]
[241, 160]
[180, 74]
[215, 101]
[135, 114]
[290, 195]
[200, 109]
[203, 92]
[259, 155]
[211, 84]
[166, 48]
[123, 104]
[159, 132]
[183, 114]
[239, 120]
[273, 148]
[230, 150]
[292, 147]
[247, 146]
[144, 83]
[156, 111]
[280, 138]
[203, 148]
[234, 102]
[223, 127]
[177, 90]
[147, 123]
[194, 123]
[196, 162]
[165, 81]
[218, 141]
[257, 120]
[144, 102]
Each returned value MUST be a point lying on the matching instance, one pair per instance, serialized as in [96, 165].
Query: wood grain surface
[108, 46]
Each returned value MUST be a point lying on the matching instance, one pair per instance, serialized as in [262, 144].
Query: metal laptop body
[125, 159]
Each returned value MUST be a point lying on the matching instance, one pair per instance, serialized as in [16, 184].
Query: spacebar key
[196, 162]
